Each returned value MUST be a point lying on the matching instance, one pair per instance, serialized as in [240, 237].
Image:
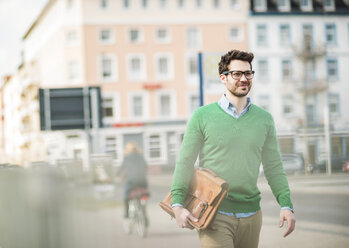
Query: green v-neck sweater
[233, 149]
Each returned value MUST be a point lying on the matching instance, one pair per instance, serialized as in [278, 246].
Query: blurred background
[81, 78]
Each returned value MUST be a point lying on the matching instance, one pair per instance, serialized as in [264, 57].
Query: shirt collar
[226, 104]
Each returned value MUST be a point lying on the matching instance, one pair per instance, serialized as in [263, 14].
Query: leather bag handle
[208, 171]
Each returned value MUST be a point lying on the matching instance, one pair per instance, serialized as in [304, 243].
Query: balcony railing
[312, 87]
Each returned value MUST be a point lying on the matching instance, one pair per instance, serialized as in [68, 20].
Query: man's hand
[182, 216]
[287, 215]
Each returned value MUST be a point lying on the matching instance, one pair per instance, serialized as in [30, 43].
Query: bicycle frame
[137, 210]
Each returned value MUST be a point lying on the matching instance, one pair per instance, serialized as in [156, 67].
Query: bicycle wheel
[141, 225]
[128, 223]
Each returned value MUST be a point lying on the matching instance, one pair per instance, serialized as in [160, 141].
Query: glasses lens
[237, 75]
[248, 74]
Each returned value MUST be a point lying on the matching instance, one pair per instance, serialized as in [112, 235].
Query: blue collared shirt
[229, 108]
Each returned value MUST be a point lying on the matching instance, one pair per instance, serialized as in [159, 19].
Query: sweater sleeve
[273, 168]
[191, 145]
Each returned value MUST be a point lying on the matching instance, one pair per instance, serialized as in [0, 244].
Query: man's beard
[240, 94]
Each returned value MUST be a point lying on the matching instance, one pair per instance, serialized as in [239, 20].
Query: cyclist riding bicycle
[134, 169]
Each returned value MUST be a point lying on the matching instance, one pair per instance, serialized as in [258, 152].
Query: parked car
[293, 163]
[337, 165]
[346, 165]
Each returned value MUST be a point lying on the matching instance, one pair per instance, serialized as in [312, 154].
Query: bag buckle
[203, 209]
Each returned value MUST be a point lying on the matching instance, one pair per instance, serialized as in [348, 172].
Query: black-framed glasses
[238, 74]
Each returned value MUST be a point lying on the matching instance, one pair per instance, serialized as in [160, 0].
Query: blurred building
[2, 122]
[21, 139]
[301, 55]
[144, 57]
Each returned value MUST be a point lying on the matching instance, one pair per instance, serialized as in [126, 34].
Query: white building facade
[295, 88]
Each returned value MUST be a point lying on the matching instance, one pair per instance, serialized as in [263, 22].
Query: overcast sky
[16, 16]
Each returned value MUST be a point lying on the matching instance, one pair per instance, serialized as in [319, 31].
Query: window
[166, 104]
[136, 67]
[286, 69]
[285, 35]
[284, 5]
[108, 67]
[260, 5]
[234, 4]
[163, 4]
[264, 102]
[173, 145]
[332, 69]
[338, 146]
[180, 4]
[193, 38]
[330, 34]
[106, 36]
[192, 69]
[329, 5]
[288, 103]
[310, 109]
[137, 109]
[126, 4]
[194, 103]
[235, 34]
[216, 4]
[164, 66]
[154, 146]
[73, 70]
[308, 34]
[263, 69]
[144, 4]
[261, 35]
[137, 106]
[306, 5]
[193, 65]
[103, 4]
[198, 4]
[112, 146]
[72, 38]
[107, 105]
[310, 73]
[333, 102]
[310, 113]
[163, 35]
[135, 36]
[110, 108]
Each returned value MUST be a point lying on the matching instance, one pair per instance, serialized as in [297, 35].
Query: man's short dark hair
[232, 55]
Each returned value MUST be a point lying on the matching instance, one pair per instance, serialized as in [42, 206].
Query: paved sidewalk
[100, 225]
[307, 234]
[163, 232]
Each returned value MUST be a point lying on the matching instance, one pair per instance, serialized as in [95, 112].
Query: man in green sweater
[232, 138]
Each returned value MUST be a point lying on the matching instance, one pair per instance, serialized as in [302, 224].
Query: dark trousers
[129, 185]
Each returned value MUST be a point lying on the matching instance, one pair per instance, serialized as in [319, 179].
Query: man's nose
[243, 77]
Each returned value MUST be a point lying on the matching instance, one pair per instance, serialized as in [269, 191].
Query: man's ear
[223, 78]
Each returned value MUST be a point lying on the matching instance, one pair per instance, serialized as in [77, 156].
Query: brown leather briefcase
[204, 196]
